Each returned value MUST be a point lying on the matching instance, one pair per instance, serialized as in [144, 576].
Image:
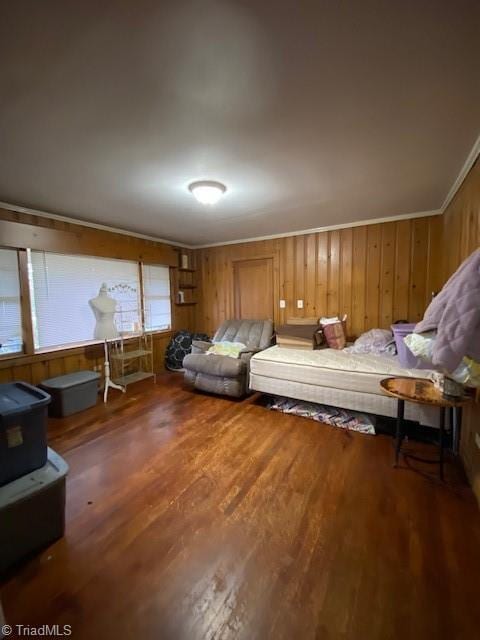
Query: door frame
[276, 284]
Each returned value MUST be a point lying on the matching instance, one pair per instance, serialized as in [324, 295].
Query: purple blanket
[455, 314]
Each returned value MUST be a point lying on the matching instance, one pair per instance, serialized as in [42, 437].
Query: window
[10, 309]
[156, 298]
[61, 287]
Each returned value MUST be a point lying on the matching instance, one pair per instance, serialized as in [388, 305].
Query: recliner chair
[222, 374]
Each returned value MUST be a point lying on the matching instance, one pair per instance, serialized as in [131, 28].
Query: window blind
[156, 298]
[10, 309]
[61, 287]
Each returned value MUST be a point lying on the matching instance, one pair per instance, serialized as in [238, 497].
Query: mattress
[330, 368]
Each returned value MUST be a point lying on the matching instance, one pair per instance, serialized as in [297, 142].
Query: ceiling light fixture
[207, 191]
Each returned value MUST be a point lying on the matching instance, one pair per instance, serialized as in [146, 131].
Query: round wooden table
[422, 391]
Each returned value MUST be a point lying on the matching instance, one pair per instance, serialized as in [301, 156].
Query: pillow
[225, 348]
[378, 341]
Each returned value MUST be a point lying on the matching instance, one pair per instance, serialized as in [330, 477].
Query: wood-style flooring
[196, 517]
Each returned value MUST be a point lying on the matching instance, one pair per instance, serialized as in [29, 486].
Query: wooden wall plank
[322, 274]
[418, 270]
[310, 274]
[402, 270]
[359, 279]
[299, 277]
[346, 261]
[372, 296]
[289, 276]
[387, 274]
[333, 289]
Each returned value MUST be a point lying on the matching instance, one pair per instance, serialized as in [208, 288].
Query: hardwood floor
[190, 516]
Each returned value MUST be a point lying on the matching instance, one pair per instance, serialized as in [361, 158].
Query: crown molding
[469, 162]
[331, 227]
[91, 225]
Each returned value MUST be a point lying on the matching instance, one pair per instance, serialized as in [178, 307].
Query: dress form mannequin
[104, 307]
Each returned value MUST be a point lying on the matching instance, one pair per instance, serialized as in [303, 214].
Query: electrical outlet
[299, 304]
[477, 440]
[283, 304]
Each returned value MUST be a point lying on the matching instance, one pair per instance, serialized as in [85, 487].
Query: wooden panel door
[253, 289]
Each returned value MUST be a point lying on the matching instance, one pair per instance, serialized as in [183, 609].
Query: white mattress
[330, 368]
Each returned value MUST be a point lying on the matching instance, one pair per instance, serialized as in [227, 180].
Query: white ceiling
[312, 113]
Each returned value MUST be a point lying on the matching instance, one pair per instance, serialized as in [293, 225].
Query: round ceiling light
[207, 191]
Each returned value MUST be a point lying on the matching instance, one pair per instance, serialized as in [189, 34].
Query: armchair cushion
[256, 334]
[214, 365]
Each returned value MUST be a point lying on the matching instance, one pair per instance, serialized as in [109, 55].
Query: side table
[421, 391]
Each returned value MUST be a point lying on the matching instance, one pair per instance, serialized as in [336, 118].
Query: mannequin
[104, 307]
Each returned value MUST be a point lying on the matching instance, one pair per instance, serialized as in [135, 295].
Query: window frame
[29, 354]
[24, 295]
[142, 291]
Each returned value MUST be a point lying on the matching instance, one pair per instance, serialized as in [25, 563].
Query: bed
[337, 378]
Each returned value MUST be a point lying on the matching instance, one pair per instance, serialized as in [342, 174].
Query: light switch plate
[283, 304]
[477, 440]
[299, 304]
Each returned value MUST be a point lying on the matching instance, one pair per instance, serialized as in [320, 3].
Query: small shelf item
[132, 362]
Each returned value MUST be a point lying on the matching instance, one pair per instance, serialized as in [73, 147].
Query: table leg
[399, 429]
[456, 426]
[441, 439]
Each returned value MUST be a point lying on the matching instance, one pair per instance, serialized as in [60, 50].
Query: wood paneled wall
[21, 230]
[461, 236]
[376, 274]
[36, 368]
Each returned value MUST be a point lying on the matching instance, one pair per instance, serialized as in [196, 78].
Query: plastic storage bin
[72, 393]
[23, 429]
[32, 511]
[405, 356]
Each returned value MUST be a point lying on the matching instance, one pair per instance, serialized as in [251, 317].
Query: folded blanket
[225, 348]
[455, 314]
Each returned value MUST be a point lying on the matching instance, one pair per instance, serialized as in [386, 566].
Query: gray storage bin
[32, 511]
[23, 429]
[72, 392]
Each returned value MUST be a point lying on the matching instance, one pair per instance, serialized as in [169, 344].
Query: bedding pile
[377, 341]
[352, 420]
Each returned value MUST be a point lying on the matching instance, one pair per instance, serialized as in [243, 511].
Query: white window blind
[156, 298]
[61, 287]
[10, 310]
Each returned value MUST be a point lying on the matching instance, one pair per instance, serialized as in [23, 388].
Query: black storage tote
[23, 430]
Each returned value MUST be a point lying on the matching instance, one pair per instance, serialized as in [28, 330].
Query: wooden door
[253, 289]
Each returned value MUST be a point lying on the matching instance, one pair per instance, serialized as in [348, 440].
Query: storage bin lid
[40, 479]
[70, 380]
[19, 397]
